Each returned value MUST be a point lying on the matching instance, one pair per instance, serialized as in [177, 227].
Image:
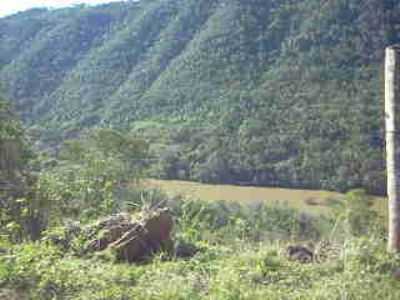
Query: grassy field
[310, 200]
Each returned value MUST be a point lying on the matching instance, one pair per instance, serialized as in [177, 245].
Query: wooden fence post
[392, 122]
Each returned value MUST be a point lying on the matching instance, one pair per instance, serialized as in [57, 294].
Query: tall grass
[241, 256]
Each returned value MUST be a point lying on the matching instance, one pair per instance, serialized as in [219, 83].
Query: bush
[227, 221]
[239, 266]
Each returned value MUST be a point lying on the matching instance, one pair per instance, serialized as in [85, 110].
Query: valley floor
[312, 201]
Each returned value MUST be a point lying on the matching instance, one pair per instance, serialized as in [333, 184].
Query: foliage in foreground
[242, 256]
[92, 174]
[237, 271]
[89, 178]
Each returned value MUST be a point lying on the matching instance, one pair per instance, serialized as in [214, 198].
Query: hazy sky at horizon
[8, 7]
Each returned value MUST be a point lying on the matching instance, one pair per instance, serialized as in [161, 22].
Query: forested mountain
[281, 93]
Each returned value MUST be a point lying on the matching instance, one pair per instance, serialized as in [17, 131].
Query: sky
[8, 7]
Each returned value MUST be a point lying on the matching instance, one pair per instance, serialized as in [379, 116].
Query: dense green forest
[276, 93]
[287, 93]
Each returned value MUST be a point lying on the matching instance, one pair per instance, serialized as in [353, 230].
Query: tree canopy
[283, 92]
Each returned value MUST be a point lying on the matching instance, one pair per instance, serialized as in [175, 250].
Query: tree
[91, 174]
[20, 215]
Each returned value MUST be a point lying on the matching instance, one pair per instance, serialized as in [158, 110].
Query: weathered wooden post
[392, 121]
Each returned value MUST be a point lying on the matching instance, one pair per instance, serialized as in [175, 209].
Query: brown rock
[133, 241]
[107, 231]
[150, 235]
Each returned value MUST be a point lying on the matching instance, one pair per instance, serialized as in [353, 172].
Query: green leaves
[92, 172]
[294, 87]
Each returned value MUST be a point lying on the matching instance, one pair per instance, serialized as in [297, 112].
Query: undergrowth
[241, 256]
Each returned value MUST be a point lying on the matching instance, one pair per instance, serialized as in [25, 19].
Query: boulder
[134, 240]
[108, 230]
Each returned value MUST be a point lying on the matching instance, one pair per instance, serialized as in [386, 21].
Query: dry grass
[295, 198]
[310, 200]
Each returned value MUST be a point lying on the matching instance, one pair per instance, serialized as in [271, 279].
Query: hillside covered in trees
[276, 93]
[96, 102]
